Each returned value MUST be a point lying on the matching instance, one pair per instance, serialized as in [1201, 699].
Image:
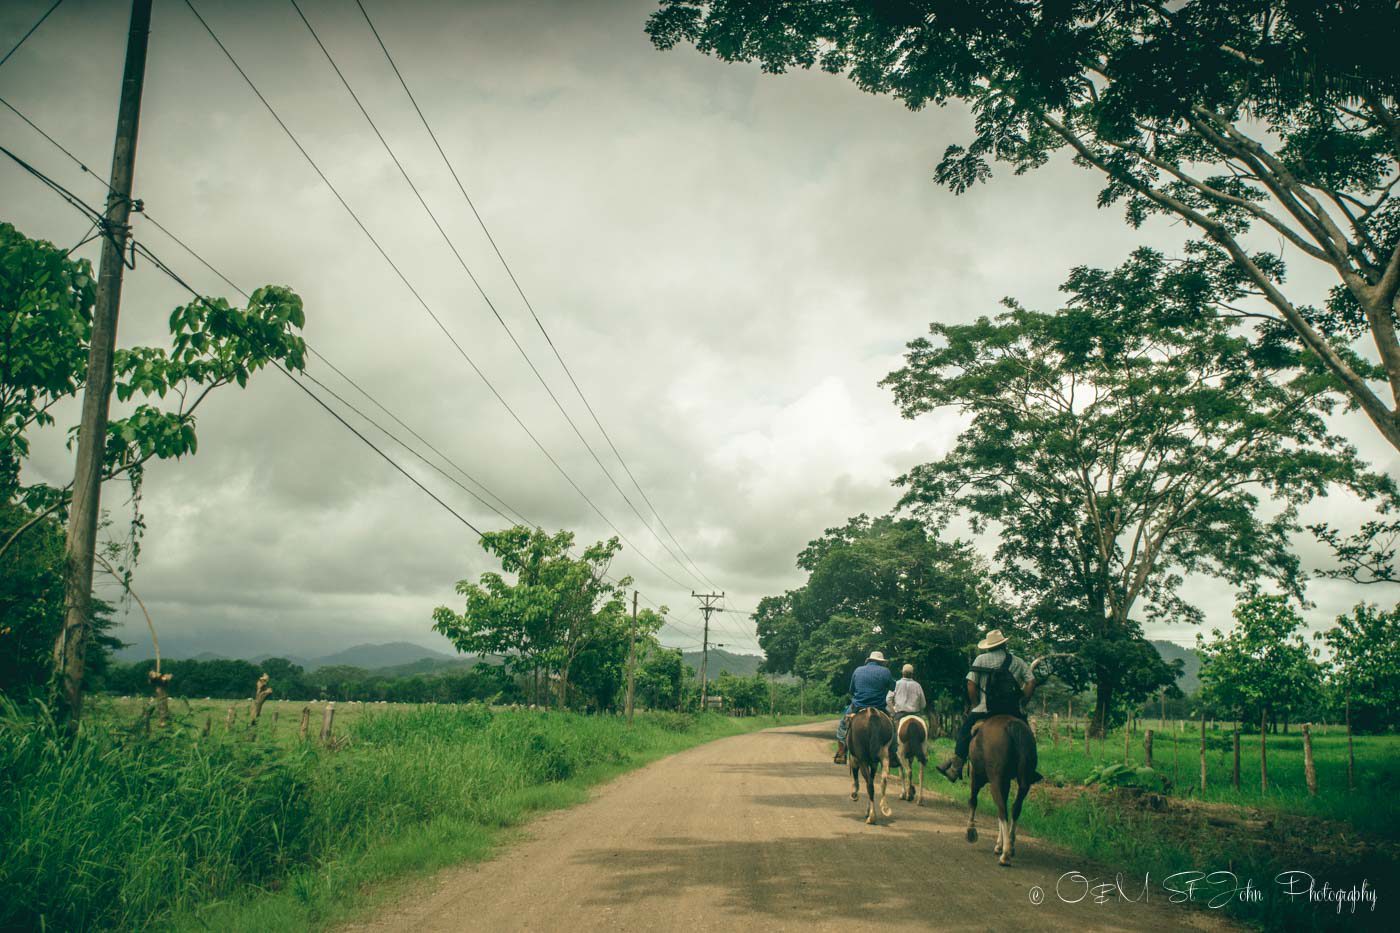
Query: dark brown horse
[1003, 747]
[868, 751]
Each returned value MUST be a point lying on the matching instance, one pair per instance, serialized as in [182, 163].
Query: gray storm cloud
[729, 262]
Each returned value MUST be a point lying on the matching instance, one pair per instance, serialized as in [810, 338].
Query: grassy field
[1342, 836]
[233, 830]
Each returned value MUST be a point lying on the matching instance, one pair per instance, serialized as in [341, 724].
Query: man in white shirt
[907, 698]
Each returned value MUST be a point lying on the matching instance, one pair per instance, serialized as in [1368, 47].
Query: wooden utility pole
[632, 659]
[707, 606]
[71, 646]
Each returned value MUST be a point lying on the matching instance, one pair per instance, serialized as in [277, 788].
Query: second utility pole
[71, 647]
[632, 659]
[707, 606]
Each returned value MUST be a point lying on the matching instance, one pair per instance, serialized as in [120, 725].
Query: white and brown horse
[911, 738]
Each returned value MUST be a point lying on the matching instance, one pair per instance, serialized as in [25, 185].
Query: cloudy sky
[729, 262]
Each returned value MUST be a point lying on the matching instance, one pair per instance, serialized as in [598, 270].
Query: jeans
[844, 725]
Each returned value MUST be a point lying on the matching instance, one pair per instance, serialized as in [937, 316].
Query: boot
[840, 758]
[952, 769]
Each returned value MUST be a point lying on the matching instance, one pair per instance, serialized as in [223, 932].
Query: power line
[521, 292]
[40, 22]
[471, 276]
[167, 270]
[418, 296]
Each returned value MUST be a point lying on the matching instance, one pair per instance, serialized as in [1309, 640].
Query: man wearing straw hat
[996, 685]
[870, 684]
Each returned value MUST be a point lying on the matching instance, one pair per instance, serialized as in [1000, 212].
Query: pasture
[1164, 824]
[243, 830]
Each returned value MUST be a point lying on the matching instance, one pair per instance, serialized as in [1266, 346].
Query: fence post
[208, 722]
[260, 694]
[1128, 740]
[1147, 746]
[1351, 753]
[1237, 754]
[229, 719]
[305, 720]
[1309, 769]
[326, 721]
[1263, 751]
[1055, 729]
[1203, 753]
[1087, 753]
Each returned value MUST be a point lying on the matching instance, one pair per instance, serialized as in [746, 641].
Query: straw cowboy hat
[993, 639]
[876, 656]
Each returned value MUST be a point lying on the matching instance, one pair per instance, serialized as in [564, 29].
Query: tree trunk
[1103, 702]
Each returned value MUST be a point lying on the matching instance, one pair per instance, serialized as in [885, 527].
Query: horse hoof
[996, 849]
[1004, 862]
[855, 795]
[972, 834]
[885, 810]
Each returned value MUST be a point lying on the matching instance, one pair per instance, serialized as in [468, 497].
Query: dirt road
[756, 832]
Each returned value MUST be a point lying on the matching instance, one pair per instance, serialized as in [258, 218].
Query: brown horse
[868, 750]
[1003, 747]
[910, 742]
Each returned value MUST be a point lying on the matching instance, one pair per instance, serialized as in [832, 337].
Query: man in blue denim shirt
[870, 685]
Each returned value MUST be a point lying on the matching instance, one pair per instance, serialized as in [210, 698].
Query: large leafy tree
[46, 317]
[1122, 443]
[1365, 665]
[1231, 115]
[1262, 669]
[885, 583]
[556, 607]
[46, 303]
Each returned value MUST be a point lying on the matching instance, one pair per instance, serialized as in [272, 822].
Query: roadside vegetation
[1139, 824]
[253, 829]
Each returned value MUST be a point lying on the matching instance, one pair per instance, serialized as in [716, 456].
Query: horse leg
[1023, 786]
[972, 806]
[1001, 786]
[923, 766]
[855, 775]
[884, 788]
[869, 773]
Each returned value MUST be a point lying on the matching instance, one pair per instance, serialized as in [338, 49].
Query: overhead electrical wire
[144, 251]
[165, 268]
[528, 304]
[15, 48]
[471, 276]
[418, 296]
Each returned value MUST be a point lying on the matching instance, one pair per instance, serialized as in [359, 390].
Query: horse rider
[870, 684]
[907, 698]
[996, 685]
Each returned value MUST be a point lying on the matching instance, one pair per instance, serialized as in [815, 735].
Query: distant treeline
[663, 682]
[232, 680]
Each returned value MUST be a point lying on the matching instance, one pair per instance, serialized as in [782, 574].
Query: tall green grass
[110, 830]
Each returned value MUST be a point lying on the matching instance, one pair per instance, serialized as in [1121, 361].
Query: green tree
[45, 317]
[1117, 446]
[31, 610]
[1365, 665]
[884, 583]
[1229, 115]
[660, 674]
[1263, 668]
[557, 606]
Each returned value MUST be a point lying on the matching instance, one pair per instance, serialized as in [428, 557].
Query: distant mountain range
[1190, 680]
[404, 659]
[721, 661]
